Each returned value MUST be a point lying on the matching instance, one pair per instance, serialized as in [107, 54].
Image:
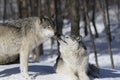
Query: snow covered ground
[44, 69]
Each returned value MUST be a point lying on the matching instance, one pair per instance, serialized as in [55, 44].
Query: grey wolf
[21, 37]
[73, 58]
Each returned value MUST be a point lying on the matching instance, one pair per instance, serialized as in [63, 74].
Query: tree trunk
[19, 8]
[85, 24]
[118, 14]
[4, 13]
[39, 8]
[84, 20]
[59, 19]
[12, 10]
[32, 3]
[102, 7]
[108, 19]
[29, 11]
[22, 8]
[90, 32]
[74, 17]
[93, 18]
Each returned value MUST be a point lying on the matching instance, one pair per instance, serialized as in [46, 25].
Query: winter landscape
[44, 70]
[65, 11]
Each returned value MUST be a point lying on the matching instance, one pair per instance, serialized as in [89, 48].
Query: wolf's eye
[44, 27]
[48, 26]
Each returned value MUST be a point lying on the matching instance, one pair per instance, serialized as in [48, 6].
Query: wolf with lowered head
[21, 38]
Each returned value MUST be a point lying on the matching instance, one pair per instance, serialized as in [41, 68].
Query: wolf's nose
[57, 34]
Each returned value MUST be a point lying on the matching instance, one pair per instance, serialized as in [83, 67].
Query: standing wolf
[22, 37]
[73, 58]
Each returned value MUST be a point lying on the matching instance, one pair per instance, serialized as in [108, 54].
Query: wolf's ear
[53, 20]
[79, 38]
[43, 18]
[52, 17]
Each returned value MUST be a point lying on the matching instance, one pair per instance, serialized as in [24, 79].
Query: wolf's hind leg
[83, 76]
[73, 76]
[3, 59]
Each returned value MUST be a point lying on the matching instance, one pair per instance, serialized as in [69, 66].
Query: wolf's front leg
[24, 54]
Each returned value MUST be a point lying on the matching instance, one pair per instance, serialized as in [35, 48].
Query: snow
[44, 70]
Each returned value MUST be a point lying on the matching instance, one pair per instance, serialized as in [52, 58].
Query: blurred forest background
[74, 11]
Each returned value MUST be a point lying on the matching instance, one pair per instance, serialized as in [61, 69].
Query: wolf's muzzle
[57, 34]
[58, 37]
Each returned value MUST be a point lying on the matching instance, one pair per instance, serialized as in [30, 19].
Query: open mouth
[58, 37]
[61, 39]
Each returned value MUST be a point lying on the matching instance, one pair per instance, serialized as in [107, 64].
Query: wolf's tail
[93, 71]
[5, 59]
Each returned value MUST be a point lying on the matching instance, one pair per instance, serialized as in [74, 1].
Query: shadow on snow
[104, 73]
[38, 69]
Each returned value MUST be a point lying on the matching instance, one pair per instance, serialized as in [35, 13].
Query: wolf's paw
[29, 77]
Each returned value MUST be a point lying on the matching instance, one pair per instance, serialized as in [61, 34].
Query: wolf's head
[46, 27]
[69, 42]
